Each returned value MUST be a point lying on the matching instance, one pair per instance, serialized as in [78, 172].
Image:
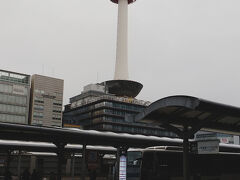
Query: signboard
[208, 147]
[123, 168]
[203, 136]
[227, 139]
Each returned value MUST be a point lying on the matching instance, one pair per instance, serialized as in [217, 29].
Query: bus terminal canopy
[77, 136]
[176, 112]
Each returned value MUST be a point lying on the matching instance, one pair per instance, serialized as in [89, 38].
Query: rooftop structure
[97, 92]
[95, 108]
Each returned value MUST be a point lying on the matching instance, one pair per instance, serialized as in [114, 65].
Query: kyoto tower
[121, 85]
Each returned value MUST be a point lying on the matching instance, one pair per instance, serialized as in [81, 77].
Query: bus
[167, 164]
[134, 157]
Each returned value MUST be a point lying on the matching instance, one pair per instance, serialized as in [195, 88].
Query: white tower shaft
[121, 66]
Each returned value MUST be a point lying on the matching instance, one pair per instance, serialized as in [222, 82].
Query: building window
[117, 128]
[38, 107]
[57, 103]
[12, 118]
[13, 99]
[37, 122]
[57, 108]
[5, 88]
[39, 91]
[57, 111]
[38, 114]
[38, 99]
[12, 109]
[57, 116]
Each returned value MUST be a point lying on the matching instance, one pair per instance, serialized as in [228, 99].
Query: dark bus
[134, 157]
[167, 164]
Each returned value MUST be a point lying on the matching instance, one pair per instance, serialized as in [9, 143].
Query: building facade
[46, 101]
[14, 97]
[96, 109]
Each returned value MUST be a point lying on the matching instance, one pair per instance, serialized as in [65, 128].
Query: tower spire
[121, 86]
[121, 66]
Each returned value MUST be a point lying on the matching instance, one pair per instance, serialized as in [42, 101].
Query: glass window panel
[11, 99]
[1, 97]
[1, 107]
[24, 100]
[11, 108]
[4, 98]
[5, 88]
[21, 110]
[18, 100]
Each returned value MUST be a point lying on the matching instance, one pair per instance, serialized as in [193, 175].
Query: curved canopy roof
[176, 112]
[50, 147]
[78, 136]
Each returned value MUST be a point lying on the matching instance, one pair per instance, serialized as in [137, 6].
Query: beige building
[46, 101]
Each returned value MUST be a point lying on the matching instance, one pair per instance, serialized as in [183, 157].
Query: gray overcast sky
[187, 47]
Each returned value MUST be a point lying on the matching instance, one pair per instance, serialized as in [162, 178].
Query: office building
[46, 101]
[96, 109]
[14, 97]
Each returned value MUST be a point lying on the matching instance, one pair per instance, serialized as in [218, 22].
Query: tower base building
[96, 109]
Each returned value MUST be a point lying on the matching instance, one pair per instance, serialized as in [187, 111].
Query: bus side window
[137, 162]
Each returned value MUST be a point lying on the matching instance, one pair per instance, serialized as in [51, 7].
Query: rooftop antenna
[53, 72]
[42, 69]
[97, 78]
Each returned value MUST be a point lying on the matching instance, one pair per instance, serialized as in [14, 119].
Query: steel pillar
[8, 161]
[60, 155]
[84, 161]
[186, 170]
[116, 175]
[19, 165]
[73, 165]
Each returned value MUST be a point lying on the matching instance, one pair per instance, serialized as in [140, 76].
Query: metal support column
[116, 175]
[73, 165]
[8, 161]
[59, 166]
[19, 165]
[84, 161]
[60, 154]
[109, 173]
[186, 171]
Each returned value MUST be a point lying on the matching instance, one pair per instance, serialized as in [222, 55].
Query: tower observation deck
[129, 1]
